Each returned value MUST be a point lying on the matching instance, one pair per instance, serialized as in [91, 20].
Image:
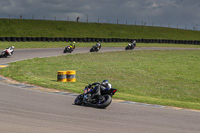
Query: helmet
[105, 83]
[12, 47]
[73, 42]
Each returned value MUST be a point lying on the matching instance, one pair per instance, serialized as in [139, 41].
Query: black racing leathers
[97, 90]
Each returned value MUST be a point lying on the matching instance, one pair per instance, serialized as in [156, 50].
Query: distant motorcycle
[68, 49]
[8, 52]
[86, 98]
[130, 47]
[94, 49]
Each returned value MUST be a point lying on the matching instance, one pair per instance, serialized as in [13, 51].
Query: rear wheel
[91, 50]
[107, 99]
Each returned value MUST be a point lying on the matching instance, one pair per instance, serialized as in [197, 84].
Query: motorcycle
[95, 48]
[68, 49]
[5, 53]
[103, 102]
[130, 47]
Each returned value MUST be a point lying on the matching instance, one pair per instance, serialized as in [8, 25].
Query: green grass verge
[164, 77]
[45, 28]
[22, 45]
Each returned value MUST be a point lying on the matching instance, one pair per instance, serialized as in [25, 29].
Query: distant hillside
[46, 28]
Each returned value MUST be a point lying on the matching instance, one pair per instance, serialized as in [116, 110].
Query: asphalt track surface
[24, 110]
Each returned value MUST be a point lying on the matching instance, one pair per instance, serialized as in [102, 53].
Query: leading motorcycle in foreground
[86, 98]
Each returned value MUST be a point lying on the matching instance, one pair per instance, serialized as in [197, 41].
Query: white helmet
[12, 47]
[106, 84]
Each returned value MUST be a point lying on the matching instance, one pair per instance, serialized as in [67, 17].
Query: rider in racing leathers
[72, 45]
[10, 50]
[133, 43]
[98, 44]
[99, 87]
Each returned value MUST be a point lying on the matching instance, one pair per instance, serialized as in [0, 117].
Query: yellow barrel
[71, 76]
[62, 76]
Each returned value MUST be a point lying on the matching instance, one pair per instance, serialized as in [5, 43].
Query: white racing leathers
[9, 50]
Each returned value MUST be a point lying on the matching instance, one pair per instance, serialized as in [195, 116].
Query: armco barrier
[52, 39]
[57, 39]
[71, 39]
[13, 39]
[43, 39]
[83, 39]
[38, 39]
[23, 39]
[92, 39]
[62, 39]
[18, 39]
[48, 39]
[33, 39]
[2, 39]
[66, 39]
[78, 40]
[8, 39]
[105, 39]
[28, 39]
[88, 39]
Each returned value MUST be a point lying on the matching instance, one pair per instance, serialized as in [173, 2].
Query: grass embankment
[45, 28]
[165, 77]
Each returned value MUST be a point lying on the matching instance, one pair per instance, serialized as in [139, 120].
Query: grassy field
[45, 28]
[22, 45]
[165, 77]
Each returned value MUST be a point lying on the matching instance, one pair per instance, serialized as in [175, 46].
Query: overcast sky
[184, 13]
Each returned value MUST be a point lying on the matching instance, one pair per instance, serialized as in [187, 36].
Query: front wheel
[3, 54]
[65, 50]
[78, 100]
[91, 50]
[107, 99]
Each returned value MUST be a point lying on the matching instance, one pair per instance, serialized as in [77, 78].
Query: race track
[25, 110]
